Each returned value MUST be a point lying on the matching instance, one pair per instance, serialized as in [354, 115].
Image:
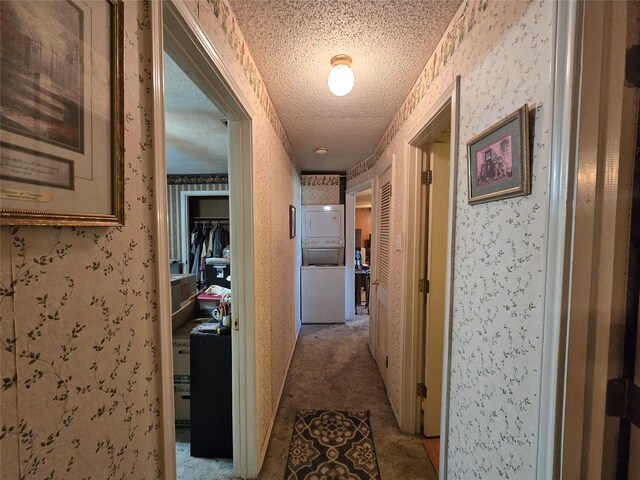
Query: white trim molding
[449, 282]
[185, 38]
[413, 333]
[559, 218]
[162, 248]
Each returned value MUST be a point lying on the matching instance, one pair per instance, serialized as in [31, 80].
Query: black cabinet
[211, 415]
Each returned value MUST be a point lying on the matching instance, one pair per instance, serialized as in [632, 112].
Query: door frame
[391, 167]
[174, 23]
[602, 188]
[350, 247]
[184, 212]
[413, 334]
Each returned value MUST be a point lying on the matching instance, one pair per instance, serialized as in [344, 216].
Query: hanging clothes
[220, 240]
[208, 239]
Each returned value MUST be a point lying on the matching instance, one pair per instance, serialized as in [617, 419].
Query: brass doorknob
[375, 282]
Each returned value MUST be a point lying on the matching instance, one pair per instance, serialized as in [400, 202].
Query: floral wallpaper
[502, 50]
[320, 189]
[78, 325]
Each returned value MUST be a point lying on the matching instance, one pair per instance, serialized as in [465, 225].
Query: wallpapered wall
[80, 384]
[502, 50]
[78, 305]
[320, 189]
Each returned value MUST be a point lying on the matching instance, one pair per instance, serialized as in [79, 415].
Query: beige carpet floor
[332, 368]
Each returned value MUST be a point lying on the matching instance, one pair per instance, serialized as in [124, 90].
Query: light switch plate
[398, 243]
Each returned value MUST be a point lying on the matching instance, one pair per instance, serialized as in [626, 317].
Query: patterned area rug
[332, 445]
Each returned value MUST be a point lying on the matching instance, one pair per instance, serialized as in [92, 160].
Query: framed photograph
[292, 221]
[499, 160]
[61, 113]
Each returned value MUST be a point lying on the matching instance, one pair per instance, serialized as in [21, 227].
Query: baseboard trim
[263, 452]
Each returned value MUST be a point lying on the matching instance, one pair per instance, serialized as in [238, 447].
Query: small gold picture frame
[499, 160]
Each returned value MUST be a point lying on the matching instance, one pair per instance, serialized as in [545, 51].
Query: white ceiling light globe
[341, 80]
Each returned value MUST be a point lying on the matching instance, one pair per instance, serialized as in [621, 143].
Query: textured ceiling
[292, 42]
[196, 138]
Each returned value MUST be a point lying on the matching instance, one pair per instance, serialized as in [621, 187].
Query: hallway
[332, 368]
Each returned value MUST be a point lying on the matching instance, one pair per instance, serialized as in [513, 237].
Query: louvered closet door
[380, 278]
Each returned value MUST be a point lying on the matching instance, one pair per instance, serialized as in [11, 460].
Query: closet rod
[213, 219]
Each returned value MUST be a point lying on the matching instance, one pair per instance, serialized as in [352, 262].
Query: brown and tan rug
[332, 444]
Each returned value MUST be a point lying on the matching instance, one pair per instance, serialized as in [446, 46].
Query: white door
[379, 300]
[436, 225]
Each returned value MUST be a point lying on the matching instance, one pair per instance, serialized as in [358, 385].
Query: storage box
[182, 352]
[207, 303]
[182, 287]
[187, 313]
[182, 402]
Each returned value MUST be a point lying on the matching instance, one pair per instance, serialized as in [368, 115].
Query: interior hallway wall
[320, 189]
[363, 222]
[79, 327]
[502, 50]
[80, 339]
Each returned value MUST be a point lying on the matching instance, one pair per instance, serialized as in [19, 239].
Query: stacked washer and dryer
[323, 271]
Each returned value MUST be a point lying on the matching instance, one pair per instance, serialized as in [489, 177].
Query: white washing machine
[323, 294]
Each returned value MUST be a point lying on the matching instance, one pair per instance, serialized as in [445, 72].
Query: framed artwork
[498, 160]
[61, 113]
[292, 221]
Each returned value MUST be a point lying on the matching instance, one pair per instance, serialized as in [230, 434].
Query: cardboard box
[183, 286]
[181, 351]
[182, 402]
[187, 313]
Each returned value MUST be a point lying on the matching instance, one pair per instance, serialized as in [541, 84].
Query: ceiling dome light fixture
[341, 77]
[321, 151]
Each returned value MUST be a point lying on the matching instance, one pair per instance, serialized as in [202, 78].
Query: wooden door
[379, 300]
[436, 225]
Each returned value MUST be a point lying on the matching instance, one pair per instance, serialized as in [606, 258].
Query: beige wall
[320, 189]
[502, 51]
[363, 222]
[80, 348]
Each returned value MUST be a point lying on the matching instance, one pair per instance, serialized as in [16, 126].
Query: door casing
[604, 138]
[350, 213]
[445, 109]
[173, 24]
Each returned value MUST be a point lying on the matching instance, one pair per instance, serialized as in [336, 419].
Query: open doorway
[179, 38]
[197, 165]
[360, 224]
[362, 254]
[433, 266]
[430, 179]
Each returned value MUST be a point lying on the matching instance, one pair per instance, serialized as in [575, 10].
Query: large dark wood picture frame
[61, 113]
